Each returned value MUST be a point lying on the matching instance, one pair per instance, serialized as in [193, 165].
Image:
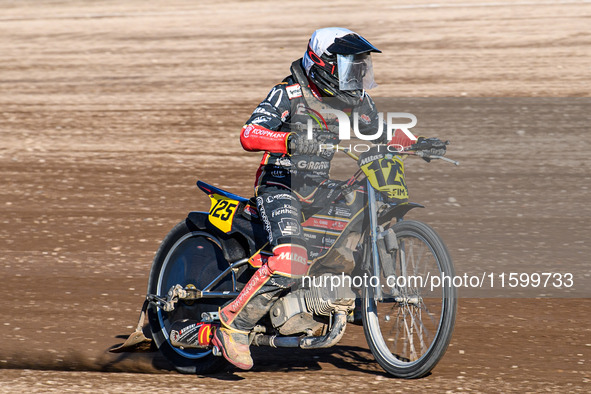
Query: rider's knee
[290, 259]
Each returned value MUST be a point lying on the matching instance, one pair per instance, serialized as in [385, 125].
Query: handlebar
[425, 154]
[348, 153]
[414, 153]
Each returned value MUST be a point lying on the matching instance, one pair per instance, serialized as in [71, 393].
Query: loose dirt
[110, 111]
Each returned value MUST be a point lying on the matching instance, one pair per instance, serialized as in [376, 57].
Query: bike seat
[209, 189]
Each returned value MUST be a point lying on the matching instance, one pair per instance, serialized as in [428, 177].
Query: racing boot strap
[234, 346]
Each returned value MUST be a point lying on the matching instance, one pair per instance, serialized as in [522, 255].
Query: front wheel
[408, 318]
[186, 257]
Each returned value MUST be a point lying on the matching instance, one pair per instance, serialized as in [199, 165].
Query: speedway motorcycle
[204, 262]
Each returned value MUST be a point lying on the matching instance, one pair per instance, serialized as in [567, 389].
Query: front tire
[186, 256]
[409, 328]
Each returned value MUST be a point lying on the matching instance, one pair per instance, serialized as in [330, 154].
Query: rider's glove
[429, 147]
[299, 144]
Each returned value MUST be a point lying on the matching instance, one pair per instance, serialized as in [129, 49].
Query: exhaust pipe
[331, 338]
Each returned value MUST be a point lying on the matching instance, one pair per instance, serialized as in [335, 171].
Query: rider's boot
[240, 316]
[234, 346]
[232, 338]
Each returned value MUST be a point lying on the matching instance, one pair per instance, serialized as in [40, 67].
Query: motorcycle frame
[397, 210]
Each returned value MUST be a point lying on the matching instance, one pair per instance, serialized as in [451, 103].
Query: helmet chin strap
[314, 89]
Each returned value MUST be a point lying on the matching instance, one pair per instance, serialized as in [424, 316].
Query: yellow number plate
[387, 175]
[222, 212]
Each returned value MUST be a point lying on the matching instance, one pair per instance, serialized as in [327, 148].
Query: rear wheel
[409, 327]
[186, 257]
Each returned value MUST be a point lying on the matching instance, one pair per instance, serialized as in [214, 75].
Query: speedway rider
[293, 177]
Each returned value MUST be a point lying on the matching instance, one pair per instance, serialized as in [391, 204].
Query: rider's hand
[299, 144]
[430, 146]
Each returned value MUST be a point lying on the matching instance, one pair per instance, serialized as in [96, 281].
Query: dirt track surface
[110, 112]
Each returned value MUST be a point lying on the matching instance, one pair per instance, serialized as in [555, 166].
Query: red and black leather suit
[305, 178]
[289, 185]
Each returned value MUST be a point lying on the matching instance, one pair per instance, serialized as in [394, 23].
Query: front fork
[373, 238]
[376, 235]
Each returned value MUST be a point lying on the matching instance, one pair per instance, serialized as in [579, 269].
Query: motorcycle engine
[306, 309]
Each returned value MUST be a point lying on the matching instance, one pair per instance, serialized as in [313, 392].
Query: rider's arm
[260, 133]
[258, 138]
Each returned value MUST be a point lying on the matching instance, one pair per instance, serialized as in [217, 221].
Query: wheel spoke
[404, 332]
[410, 334]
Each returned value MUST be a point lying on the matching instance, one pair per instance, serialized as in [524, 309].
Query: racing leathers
[304, 178]
[290, 184]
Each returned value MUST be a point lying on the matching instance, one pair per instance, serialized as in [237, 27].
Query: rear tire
[186, 256]
[409, 329]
